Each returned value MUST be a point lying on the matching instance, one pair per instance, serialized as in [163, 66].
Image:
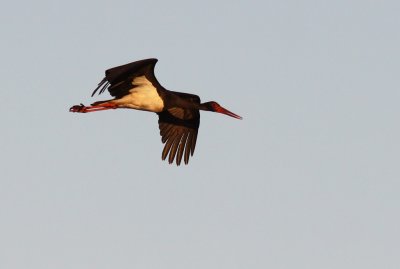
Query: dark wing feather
[178, 130]
[118, 79]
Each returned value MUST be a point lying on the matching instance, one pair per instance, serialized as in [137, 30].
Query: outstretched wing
[178, 130]
[118, 80]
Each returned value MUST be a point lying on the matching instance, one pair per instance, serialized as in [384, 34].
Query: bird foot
[84, 109]
[78, 108]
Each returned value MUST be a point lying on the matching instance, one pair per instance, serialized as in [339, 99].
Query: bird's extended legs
[84, 109]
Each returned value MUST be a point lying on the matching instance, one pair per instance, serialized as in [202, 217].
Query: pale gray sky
[309, 178]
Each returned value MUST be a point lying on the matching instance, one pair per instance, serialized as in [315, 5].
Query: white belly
[143, 96]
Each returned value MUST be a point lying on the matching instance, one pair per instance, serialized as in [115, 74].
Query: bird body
[135, 86]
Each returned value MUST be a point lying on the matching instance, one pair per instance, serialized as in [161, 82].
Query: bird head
[215, 107]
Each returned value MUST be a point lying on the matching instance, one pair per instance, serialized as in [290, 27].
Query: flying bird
[135, 86]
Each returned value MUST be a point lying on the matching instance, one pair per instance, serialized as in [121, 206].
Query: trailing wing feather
[178, 130]
[119, 79]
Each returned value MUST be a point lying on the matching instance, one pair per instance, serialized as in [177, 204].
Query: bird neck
[207, 106]
[193, 105]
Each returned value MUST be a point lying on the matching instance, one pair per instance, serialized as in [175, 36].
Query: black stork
[135, 86]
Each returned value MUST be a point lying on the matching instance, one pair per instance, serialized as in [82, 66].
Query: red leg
[84, 109]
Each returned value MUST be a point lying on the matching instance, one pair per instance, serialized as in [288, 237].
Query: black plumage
[179, 117]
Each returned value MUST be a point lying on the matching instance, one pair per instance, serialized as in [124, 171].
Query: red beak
[225, 111]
